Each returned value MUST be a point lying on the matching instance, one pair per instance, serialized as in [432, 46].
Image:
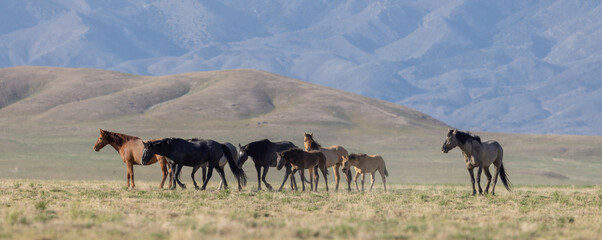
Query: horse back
[370, 163]
[131, 151]
[492, 151]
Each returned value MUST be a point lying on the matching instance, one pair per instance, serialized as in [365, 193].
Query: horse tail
[504, 177]
[386, 172]
[237, 171]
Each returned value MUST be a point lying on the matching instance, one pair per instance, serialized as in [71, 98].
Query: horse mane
[313, 144]
[464, 136]
[353, 156]
[258, 147]
[118, 138]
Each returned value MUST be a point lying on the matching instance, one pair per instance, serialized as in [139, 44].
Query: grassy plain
[50, 209]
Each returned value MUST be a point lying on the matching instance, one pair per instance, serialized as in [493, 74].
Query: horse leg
[258, 168]
[314, 171]
[324, 173]
[302, 177]
[223, 176]
[474, 191]
[165, 172]
[194, 169]
[311, 179]
[127, 174]
[373, 174]
[265, 173]
[488, 174]
[170, 175]
[355, 180]
[131, 173]
[209, 173]
[479, 171]
[294, 181]
[337, 177]
[178, 168]
[497, 172]
[287, 172]
[383, 177]
[363, 180]
[204, 171]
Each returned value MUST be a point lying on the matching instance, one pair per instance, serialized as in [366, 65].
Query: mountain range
[501, 66]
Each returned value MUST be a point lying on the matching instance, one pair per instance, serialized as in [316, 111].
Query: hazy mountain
[512, 66]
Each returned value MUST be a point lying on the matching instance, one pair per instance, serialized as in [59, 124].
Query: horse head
[347, 161]
[281, 160]
[451, 141]
[149, 151]
[242, 154]
[101, 141]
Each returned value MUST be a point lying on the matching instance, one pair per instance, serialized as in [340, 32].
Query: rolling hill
[50, 119]
[512, 66]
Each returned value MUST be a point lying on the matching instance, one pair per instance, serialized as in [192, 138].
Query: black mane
[464, 136]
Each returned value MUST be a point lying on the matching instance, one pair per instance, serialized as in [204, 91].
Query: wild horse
[130, 149]
[311, 160]
[334, 158]
[363, 164]
[180, 152]
[480, 155]
[264, 154]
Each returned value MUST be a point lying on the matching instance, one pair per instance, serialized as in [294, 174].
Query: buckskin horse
[334, 158]
[366, 164]
[130, 149]
[479, 155]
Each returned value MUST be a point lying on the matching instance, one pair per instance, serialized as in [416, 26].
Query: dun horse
[300, 160]
[264, 154]
[334, 157]
[366, 164]
[479, 155]
[180, 152]
[130, 149]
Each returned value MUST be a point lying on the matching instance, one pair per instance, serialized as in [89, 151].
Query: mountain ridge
[452, 60]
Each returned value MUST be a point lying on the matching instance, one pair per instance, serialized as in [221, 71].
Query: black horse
[265, 154]
[193, 153]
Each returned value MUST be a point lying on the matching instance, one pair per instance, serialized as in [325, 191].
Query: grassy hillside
[50, 118]
[50, 209]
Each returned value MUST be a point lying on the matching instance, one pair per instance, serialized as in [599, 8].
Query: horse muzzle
[444, 150]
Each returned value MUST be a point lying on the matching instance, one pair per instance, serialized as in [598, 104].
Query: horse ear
[311, 134]
[101, 131]
[239, 146]
[455, 131]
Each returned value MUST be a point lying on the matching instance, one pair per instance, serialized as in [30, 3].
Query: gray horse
[480, 155]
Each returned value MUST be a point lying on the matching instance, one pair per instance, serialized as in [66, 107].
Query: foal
[301, 160]
[366, 164]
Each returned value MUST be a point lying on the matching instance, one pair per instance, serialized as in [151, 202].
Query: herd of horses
[173, 154]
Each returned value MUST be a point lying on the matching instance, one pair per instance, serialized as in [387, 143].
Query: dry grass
[38, 209]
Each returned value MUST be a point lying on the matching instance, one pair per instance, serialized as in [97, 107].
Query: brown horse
[130, 149]
[366, 164]
[301, 160]
[334, 157]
